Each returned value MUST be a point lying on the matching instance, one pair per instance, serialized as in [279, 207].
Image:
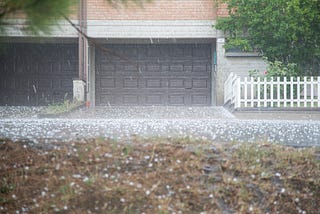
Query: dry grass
[158, 176]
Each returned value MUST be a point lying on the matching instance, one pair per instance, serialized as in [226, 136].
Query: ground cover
[158, 175]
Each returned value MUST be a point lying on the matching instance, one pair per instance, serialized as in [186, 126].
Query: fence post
[312, 92]
[298, 91]
[259, 92]
[291, 91]
[271, 92]
[252, 95]
[265, 91]
[245, 92]
[304, 91]
[318, 95]
[237, 93]
[285, 91]
[278, 91]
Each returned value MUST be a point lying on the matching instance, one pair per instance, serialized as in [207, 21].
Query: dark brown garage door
[37, 74]
[171, 74]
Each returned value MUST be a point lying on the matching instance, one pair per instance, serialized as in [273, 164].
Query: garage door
[37, 74]
[178, 74]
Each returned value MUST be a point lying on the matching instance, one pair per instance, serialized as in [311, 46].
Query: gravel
[208, 123]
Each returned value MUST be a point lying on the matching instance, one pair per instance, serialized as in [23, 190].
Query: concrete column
[91, 95]
[220, 72]
[79, 90]
[213, 74]
[238, 63]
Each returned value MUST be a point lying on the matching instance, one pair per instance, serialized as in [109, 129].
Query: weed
[6, 186]
[65, 106]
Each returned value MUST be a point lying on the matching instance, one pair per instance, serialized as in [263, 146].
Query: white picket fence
[272, 92]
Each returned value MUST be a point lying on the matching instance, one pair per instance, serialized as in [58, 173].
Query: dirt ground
[158, 175]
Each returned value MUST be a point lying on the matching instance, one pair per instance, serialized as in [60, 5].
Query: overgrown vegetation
[276, 69]
[282, 30]
[158, 176]
[63, 107]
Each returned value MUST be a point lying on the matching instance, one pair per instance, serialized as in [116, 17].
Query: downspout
[83, 43]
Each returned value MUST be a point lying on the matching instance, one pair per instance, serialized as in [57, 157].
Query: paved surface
[152, 112]
[213, 123]
[278, 115]
[19, 111]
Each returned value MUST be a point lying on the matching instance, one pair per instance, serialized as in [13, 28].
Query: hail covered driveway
[212, 123]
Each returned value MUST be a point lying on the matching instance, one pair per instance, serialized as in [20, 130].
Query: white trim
[151, 29]
[15, 28]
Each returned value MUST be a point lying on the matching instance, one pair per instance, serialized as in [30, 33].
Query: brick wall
[156, 10]
[222, 10]
[20, 15]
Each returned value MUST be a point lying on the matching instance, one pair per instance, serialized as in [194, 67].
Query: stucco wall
[240, 65]
[154, 10]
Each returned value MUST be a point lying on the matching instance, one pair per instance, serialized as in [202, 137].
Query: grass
[158, 176]
[62, 107]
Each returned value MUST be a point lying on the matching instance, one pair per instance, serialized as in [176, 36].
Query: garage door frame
[92, 64]
[38, 78]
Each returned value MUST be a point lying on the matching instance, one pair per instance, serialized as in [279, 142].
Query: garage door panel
[199, 99]
[22, 84]
[152, 67]
[176, 68]
[153, 99]
[200, 83]
[153, 83]
[106, 99]
[177, 99]
[33, 73]
[21, 98]
[45, 67]
[131, 83]
[56, 84]
[130, 99]
[130, 68]
[107, 68]
[68, 66]
[67, 84]
[200, 67]
[107, 83]
[176, 83]
[167, 75]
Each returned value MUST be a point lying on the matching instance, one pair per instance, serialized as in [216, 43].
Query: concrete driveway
[278, 115]
[208, 123]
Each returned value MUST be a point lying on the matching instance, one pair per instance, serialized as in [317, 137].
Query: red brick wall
[20, 15]
[156, 10]
[222, 10]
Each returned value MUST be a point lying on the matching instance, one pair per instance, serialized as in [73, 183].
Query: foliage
[241, 44]
[276, 69]
[279, 69]
[283, 30]
[63, 107]
[39, 14]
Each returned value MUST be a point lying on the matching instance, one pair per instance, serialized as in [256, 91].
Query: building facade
[166, 52]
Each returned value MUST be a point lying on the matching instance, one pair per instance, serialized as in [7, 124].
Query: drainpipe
[79, 84]
[82, 40]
